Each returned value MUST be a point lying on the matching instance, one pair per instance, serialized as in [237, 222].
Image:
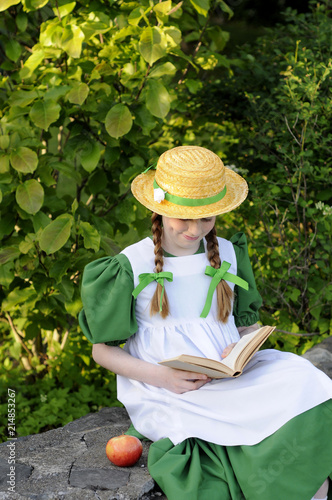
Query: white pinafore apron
[275, 386]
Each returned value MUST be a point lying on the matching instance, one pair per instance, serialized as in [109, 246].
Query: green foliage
[53, 394]
[278, 102]
[86, 93]
[91, 94]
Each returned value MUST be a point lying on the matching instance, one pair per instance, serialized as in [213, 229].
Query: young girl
[266, 435]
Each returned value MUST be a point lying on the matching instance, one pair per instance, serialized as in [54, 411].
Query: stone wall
[70, 463]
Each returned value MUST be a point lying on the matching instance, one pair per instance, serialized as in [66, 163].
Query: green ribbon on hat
[146, 278]
[191, 202]
[218, 275]
[153, 166]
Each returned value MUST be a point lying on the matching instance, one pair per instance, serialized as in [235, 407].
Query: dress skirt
[291, 464]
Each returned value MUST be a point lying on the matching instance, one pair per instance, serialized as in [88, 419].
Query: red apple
[124, 450]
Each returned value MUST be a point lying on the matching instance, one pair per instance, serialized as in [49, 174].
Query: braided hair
[159, 263]
[224, 292]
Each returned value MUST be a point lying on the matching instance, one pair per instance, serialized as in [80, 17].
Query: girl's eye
[207, 220]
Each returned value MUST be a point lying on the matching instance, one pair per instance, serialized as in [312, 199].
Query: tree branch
[119, 199]
[17, 336]
[298, 334]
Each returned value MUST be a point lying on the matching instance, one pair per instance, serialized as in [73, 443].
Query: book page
[245, 347]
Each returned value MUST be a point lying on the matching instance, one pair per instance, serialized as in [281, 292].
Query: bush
[276, 107]
[85, 92]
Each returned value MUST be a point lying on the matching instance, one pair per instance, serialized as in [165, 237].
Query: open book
[232, 365]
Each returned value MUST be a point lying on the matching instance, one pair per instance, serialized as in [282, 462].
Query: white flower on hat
[158, 195]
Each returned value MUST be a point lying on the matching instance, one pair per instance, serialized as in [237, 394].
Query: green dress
[280, 467]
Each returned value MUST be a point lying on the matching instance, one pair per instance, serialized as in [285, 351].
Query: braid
[159, 263]
[224, 292]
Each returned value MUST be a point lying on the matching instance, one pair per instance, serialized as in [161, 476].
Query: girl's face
[183, 236]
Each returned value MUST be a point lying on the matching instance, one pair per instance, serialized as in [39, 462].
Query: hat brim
[237, 191]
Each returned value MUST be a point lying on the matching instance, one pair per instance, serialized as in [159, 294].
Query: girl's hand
[180, 381]
[119, 361]
[227, 350]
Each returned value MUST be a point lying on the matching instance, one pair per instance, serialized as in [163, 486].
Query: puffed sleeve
[108, 314]
[246, 302]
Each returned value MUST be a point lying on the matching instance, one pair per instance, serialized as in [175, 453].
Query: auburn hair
[223, 290]
[159, 264]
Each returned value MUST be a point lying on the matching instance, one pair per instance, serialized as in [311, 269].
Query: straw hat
[190, 182]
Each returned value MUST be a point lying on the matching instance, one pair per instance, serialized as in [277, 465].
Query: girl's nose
[194, 227]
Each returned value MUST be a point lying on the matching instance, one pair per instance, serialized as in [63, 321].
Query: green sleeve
[246, 302]
[108, 314]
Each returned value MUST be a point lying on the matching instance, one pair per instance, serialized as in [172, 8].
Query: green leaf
[136, 15]
[19, 296]
[90, 156]
[145, 120]
[64, 8]
[32, 63]
[68, 170]
[4, 164]
[90, 235]
[173, 36]
[13, 50]
[51, 33]
[158, 100]
[23, 98]
[56, 234]
[56, 92]
[193, 85]
[295, 294]
[163, 69]
[66, 288]
[118, 121]
[30, 196]
[8, 254]
[74, 206]
[40, 221]
[7, 224]
[163, 7]
[78, 94]
[226, 8]
[43, 113]
[201, 6]
[4, 141]
[28, 243]
[219, 38]
[35, 4]
[59, 268]
[6, 274]
[209, 60]
[21, 21]
[24, 160]
[4, 4]
[64, 187]
[152, 45]
[71, 40]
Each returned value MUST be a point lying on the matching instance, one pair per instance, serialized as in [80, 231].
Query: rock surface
[70, 463]
[321, 356]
